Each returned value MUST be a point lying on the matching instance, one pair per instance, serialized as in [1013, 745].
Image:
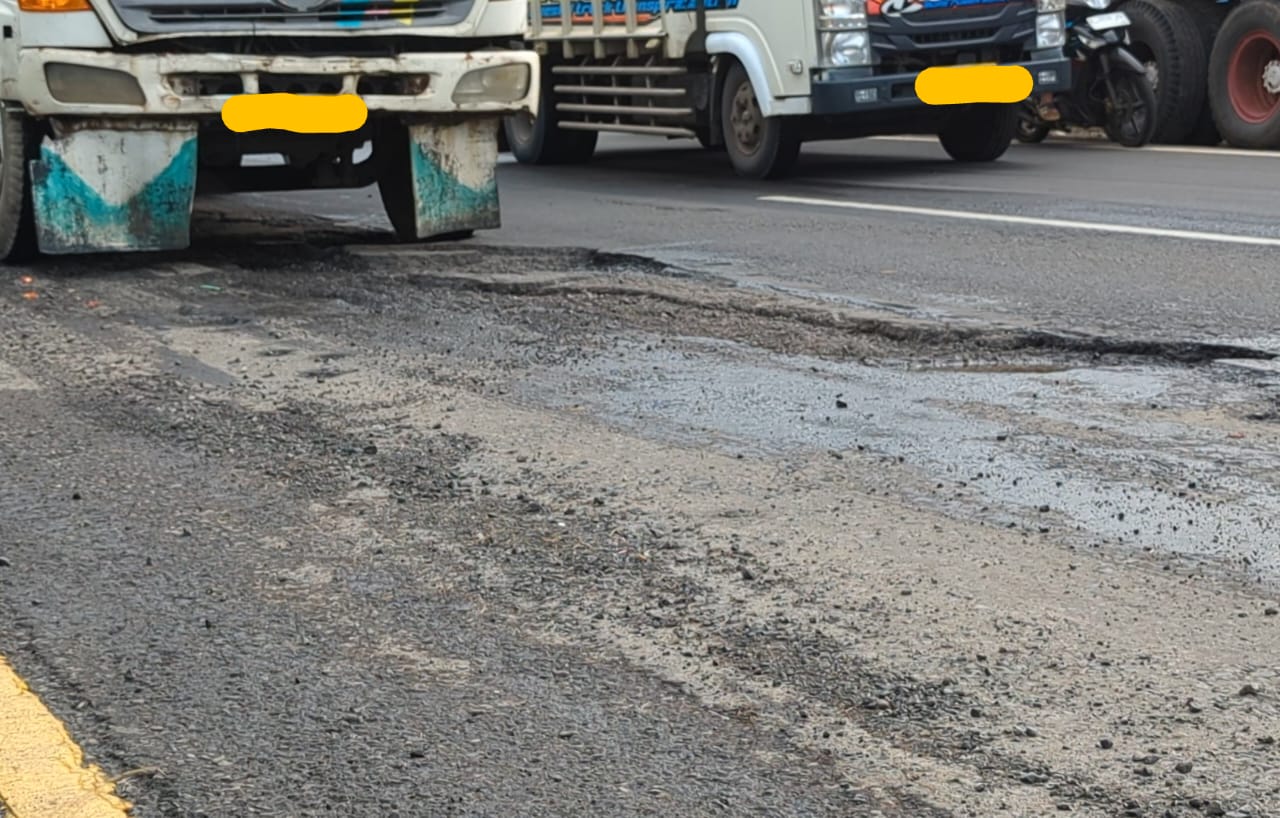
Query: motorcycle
[1109, 85]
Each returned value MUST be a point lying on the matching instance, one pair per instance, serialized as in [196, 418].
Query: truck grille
[988, 25]
[264, 16]
[965, 35]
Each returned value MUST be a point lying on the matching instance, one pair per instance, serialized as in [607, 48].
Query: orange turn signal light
[54, 5]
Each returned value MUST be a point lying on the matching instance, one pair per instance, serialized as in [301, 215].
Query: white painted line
[1202, 151]
[932, 139]
[1191, 150]
[1061, 224]
[506, 159]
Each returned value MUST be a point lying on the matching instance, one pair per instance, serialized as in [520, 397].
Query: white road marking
[1061, 224]
[1106, 146]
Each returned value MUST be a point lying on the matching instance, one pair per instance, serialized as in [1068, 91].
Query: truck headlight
[842, 15]
[1051, 30]
[496, 83]
[847, 48]
[1051, 6]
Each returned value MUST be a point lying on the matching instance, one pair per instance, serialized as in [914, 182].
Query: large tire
[1167, 35]
[759, 147]
[979, 133]
[1209, 17]
[1244, 76]
[541, 141]
[18, 142]
[1132, 122]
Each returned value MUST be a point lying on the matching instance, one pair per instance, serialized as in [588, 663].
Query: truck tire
[1209, 18]
[541, 141]
[1166, 37]
[759, 147]
[1244, 76]
[979, 133]
[17, 217]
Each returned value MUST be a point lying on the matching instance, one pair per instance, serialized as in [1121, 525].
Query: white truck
[112, 111]
[760, 77]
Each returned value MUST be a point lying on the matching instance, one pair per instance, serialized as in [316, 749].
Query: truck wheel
[1166, 38]
[17, 218]
[759, 147]
[1208, 21]
[979, 133]
[541, 141]
[1244, 76]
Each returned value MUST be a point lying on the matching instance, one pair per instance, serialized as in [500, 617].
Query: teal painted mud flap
[455, 178]
[115, 187]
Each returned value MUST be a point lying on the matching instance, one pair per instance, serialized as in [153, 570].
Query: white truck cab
[111, 111]
[760, 77]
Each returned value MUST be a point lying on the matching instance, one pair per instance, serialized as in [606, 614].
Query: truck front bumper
[196, 85]
[845, 92]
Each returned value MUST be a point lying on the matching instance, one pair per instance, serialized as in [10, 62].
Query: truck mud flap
[455, 181]
[115, 189]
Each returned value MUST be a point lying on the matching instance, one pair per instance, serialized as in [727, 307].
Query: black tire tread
[1181, 95]
[18, 241]
[1249, 15]
[781, 146]
[551, 144]
[1209, 17]
[979, 133]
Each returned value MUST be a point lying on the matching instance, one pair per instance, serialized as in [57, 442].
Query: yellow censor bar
[299, 114]
[42, 770]
[963, 84]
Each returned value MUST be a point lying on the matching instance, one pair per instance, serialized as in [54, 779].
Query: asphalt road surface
[684, 205]
[897, 489]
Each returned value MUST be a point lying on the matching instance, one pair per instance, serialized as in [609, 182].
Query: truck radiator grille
[967, 35]
[623, 97]
[155, 16]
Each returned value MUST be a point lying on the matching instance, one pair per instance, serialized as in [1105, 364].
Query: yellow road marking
[42, 770]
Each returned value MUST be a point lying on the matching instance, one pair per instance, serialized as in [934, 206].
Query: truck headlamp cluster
[1051, 23]
[842, 33]
[1051, 30]
[840, 15]
[499, 83]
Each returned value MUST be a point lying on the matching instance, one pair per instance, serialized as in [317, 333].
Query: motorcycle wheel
[1131, 114]
[1031, 131]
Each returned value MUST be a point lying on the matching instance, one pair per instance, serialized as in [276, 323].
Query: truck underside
[105, 147]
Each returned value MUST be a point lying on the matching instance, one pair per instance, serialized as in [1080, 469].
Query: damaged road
[305, 526]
